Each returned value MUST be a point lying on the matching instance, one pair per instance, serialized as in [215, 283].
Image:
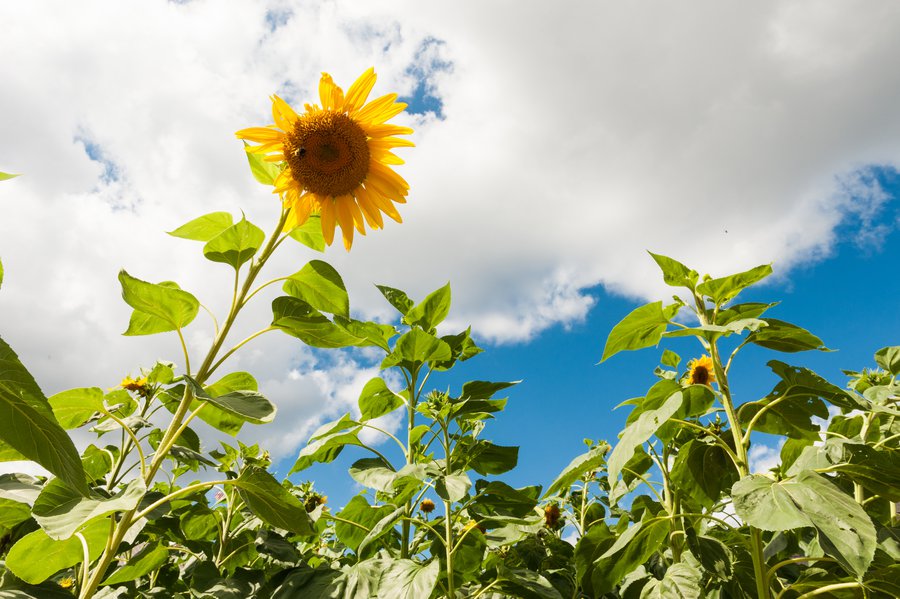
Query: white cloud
[570, 143]
[764, 457]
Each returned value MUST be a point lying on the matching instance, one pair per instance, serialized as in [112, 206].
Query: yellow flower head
[551, 515]
[701, 371]
[336, 157]
[133, 384]
[427, 506]
[67, 582]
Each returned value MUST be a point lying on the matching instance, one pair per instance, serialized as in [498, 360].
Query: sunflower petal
[384, 130]
[326, 210]
[260, 134]
[284, 115]
[383, 204]
[369, 209]
[331, 96]
[358, 220]
[369, 112]
[359, 91]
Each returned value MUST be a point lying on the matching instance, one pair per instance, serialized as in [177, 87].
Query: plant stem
[448, 525]
[410, 457]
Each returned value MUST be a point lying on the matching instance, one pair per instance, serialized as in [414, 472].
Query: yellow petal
[260, 134]
[390, 142]
[284, 115]
[326, 210]
[358, 220]
[383, 204]
[385, 157]
[385, 130]
[331, 96]
[369, 209]
[359, 91]
[374, 108]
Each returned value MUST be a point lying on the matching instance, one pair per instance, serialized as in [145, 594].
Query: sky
[553, 149]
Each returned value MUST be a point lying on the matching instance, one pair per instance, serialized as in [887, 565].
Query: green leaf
[320, 286]
[486, 458]
[36, 557]
[13, 513]
[431, 311]
[886, 357]
[1, 273]
[359, 511]
[7, 176]
[670, 358]
[205, 227]
[374, 473]
[415, 348]
[681, 581]
[876, 470]
[236, 244]
[785, 337]
[298, 319]
[579, 466]
[643, 327]
[396, 298]
[741, 312]
[20, 488]
[273, 503]
[406, 579]
[325, 449]
[310, 233]
[726, 288]
[453, 487]
[150, 558]
[28, 426]
[212, 414]
[249, 406]
[636, 434]
[675, 273]
[703, 471]
[377, 400]
[369, 333]
[263, 171]
[629, 551]
[61, 511]
[713, 554]
[844, 530]
[171, 306]
[483, 389]
[74, 407]
[198, 523]
[526, 584]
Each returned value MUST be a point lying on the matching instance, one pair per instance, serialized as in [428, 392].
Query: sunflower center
[700, 376]
[328, 153]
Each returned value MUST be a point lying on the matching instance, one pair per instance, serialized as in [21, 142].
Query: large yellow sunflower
[336, 157]
[701, 371]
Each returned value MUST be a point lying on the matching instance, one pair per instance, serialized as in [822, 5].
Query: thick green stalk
[410, 458]
[448, 525]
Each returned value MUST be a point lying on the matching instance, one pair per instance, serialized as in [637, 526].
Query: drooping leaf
[396, 298]
[703, 471]
[274, 504]
[377, 400]
[28, 426]
[374, 473]
[235, 245]
[876, 470]
[681, 581]
[483, 389]
[36, 557]
[61, 511]
[407, 579]
[586, 462]
[148, 559]
[886, 357]
[325, 449]
[169, 305]
[205, 227]
[636, 434]
[453, 487]
[320, 286]
[643, 327]
[629, 551]
[298, 319]
[844, 530]
[364, 515]
[785, 337]
[249, 406]
[487, 458]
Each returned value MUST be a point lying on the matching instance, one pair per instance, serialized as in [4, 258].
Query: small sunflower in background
[701, 371]
[336, 157]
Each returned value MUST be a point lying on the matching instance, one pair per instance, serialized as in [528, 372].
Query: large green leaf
[374, 473]
[406, 579]
[703, 471]
[326, 448]
[797, 396]
[589, 547]
[205, 227]
[629, 551]
[365, 518]
[453, 487]
[886, 357]
[236, 244]
[28, 426]
[431, 311]
[246, 405]
[785, 337]
[320, 286]
[36, 557]
[525, 583]
[169, 305]
[643, 327]
[726, 288]
[298, 319]
[377, 400]
[681, 581]
[876, 470]
[636, 434]
[148, 559]
[74, 407]
[274, 504]
[675, 273]
[486, 458]
[396, 298]
[844, 530]
[61, 511]
[578, 467]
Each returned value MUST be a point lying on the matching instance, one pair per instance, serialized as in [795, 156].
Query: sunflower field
[669, 509]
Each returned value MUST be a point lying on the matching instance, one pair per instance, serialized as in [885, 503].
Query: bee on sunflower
[336, 158]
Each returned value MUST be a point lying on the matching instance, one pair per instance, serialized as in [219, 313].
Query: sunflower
[336, 158]
[701, 371]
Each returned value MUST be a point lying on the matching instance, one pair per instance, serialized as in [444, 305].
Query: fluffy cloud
[559, 145]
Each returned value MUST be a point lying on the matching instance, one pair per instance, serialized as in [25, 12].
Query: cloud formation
[553, 148]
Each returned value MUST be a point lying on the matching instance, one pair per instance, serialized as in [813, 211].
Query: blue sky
[549, 157]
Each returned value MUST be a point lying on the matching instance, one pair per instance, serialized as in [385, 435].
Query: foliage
[671, 510]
